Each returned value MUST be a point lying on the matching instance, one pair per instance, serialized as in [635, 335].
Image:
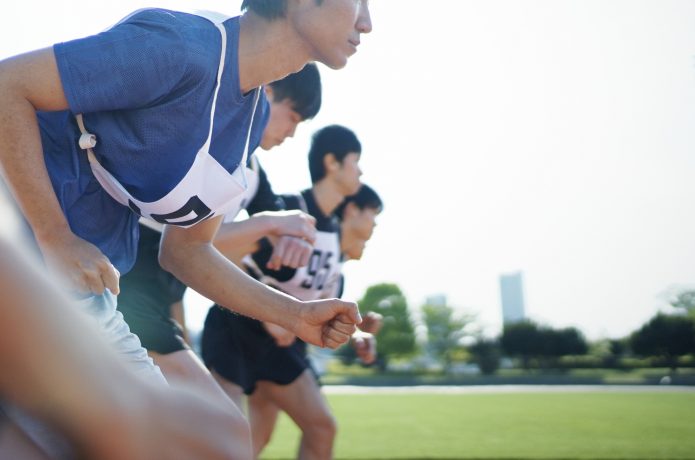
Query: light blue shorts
[113, 328]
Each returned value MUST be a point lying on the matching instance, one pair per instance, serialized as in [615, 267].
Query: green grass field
[507, 426]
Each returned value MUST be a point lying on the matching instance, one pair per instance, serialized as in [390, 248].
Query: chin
[269, 145]
[335, 63]
[354, 253]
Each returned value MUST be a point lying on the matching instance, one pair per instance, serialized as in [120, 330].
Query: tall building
[512, 293]
[437, 300]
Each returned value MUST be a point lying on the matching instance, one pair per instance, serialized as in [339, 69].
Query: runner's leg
[263, 415]
[303, 401]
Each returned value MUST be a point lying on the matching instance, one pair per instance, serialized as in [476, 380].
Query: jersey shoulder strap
[295, 201]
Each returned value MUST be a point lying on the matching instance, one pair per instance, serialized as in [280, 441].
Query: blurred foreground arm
[55, 366]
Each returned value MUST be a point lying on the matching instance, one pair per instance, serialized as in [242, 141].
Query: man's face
[348, 174]
[332, 28]
[282, 123]
[357, 227]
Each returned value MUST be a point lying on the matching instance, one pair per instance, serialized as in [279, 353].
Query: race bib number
[190, 213]
[318, 269]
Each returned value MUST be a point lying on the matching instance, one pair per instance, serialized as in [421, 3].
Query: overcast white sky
[553, 137]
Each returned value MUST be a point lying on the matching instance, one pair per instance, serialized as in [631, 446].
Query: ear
[351, 209]
[330, 163]
[350, 212]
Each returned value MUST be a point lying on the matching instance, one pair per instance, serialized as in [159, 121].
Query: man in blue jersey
[152, 118]
[263, 359]
[148, 293]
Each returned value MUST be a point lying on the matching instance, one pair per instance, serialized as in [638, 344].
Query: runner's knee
[322, 426]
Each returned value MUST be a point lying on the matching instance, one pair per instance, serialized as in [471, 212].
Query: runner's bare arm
[190, 255]
[237, 239]
[282, 337]
[28, 83]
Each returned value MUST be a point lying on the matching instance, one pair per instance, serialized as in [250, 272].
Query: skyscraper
[437, 300]
[512, 293]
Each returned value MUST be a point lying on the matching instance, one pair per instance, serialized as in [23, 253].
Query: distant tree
[563, 342]
[527, 340]
[486, 354]
[522, 340]
[397, 336]
[610, 352]
[347, 354]
[686, 301]
[445, 329]
[666, 337]
[618, 347]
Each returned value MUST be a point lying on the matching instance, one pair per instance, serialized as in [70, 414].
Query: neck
[326, 196]
[347, 243]
[268, 51]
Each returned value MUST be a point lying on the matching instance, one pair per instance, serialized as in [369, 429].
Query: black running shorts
[240, 350]
[147, 292]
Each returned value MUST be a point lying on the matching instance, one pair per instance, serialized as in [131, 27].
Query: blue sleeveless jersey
[145, 88]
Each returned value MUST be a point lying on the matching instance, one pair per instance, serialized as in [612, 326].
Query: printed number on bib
[318, 269]
[190, 213]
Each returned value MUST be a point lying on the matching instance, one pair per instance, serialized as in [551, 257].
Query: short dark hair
[268, 9]
[365, 198]
[335, 139]
[303, 89]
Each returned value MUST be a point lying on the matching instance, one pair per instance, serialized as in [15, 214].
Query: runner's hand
[283, 337]
[80, 265]
[372, 323]
[292, 223]
[327, 323]
[289, 251]
[365, 346]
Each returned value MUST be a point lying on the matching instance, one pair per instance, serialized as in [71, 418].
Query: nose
[364, 20]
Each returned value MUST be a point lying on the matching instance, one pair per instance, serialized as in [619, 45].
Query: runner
[148, 293]
[264, 360]
[357, 216]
